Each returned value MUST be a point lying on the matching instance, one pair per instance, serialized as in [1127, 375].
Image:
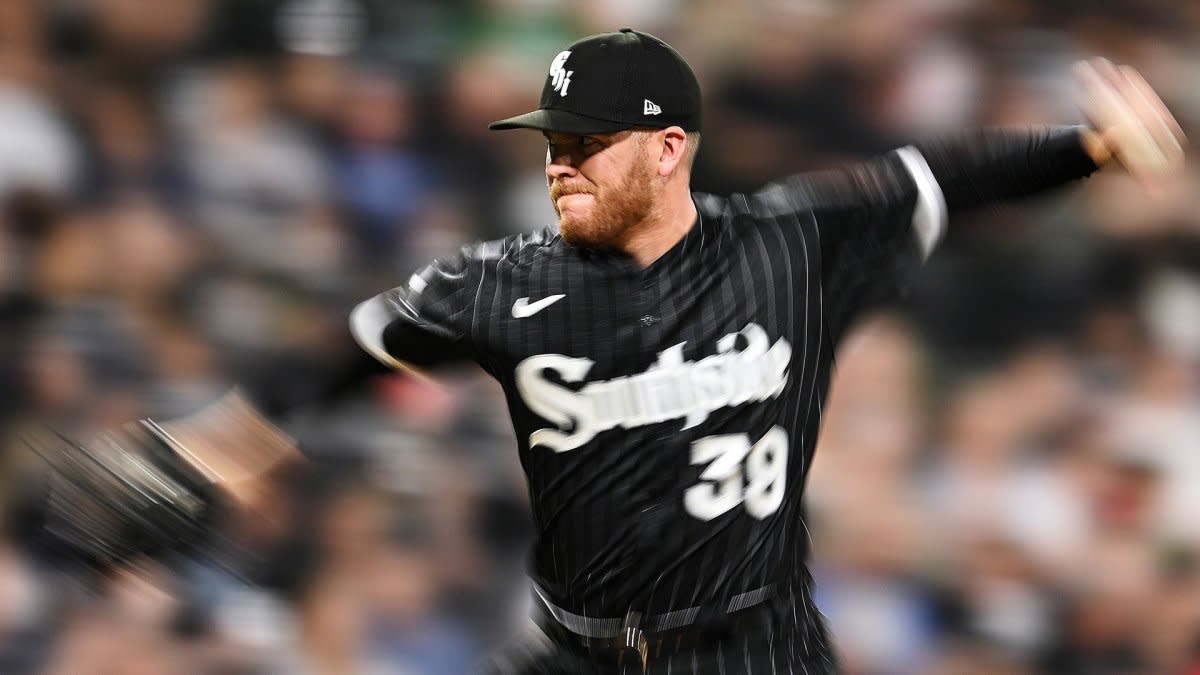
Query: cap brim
[561, 121]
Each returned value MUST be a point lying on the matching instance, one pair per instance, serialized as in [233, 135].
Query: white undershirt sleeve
[367, 323]
[930, 213]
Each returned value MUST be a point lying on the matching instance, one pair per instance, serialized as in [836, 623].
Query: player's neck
[672, 219]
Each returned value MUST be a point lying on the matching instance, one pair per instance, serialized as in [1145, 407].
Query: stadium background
[196, 192]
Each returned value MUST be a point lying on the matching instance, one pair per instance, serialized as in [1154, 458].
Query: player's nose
[555, 171]
[559, 167]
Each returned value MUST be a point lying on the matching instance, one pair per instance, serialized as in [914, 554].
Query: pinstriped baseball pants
[763, 651]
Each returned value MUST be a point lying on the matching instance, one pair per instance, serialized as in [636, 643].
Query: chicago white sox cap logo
[559, 75]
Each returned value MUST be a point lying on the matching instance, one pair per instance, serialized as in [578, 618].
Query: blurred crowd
[196, 192]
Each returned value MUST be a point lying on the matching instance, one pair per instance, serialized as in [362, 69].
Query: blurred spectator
[384, 183]
[36, 151]
[127, 148]
[24, 625]
[311, 88]
[256, 176]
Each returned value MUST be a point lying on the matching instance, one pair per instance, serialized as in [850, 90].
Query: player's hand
[234, 446]
[148, 488]
[1131, 126]
[123, 494]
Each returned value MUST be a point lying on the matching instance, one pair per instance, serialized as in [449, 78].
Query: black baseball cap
[613, 81]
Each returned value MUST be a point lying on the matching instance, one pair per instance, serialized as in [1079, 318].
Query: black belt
[637, 640]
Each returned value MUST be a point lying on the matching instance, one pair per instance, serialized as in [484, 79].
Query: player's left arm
[919, 186]
[1130, 128]
[866, 214]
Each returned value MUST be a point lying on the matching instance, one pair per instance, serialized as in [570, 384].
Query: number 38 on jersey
[738, 473]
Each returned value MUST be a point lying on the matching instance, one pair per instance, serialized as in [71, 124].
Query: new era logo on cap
[615, 71]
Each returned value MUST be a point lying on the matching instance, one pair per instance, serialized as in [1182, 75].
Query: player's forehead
[562, 138]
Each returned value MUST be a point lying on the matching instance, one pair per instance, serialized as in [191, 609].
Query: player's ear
[673, 148]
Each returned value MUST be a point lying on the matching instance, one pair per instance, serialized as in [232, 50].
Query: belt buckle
[634, 638]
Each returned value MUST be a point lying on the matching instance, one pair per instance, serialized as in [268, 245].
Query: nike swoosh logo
[523, 307]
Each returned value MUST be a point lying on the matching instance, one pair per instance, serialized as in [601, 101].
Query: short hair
[691, 147]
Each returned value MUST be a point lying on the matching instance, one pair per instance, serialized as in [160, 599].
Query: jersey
[666, 417]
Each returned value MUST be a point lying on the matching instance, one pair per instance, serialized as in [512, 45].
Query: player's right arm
[425, 322]
[230, 450]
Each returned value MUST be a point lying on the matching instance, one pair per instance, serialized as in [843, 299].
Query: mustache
[559, 190]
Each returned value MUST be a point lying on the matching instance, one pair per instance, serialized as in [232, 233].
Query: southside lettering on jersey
[670, 389]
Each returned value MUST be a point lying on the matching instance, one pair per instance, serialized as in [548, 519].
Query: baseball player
[666, 354]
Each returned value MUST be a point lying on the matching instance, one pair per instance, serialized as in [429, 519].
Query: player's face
[601, 185]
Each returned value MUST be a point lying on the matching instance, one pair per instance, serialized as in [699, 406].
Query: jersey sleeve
[875, 222]
[878, 220]
[425, 322]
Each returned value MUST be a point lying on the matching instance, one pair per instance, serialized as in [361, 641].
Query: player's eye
[581, 145]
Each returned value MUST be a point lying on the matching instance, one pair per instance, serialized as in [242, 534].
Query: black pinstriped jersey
[666, 416]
